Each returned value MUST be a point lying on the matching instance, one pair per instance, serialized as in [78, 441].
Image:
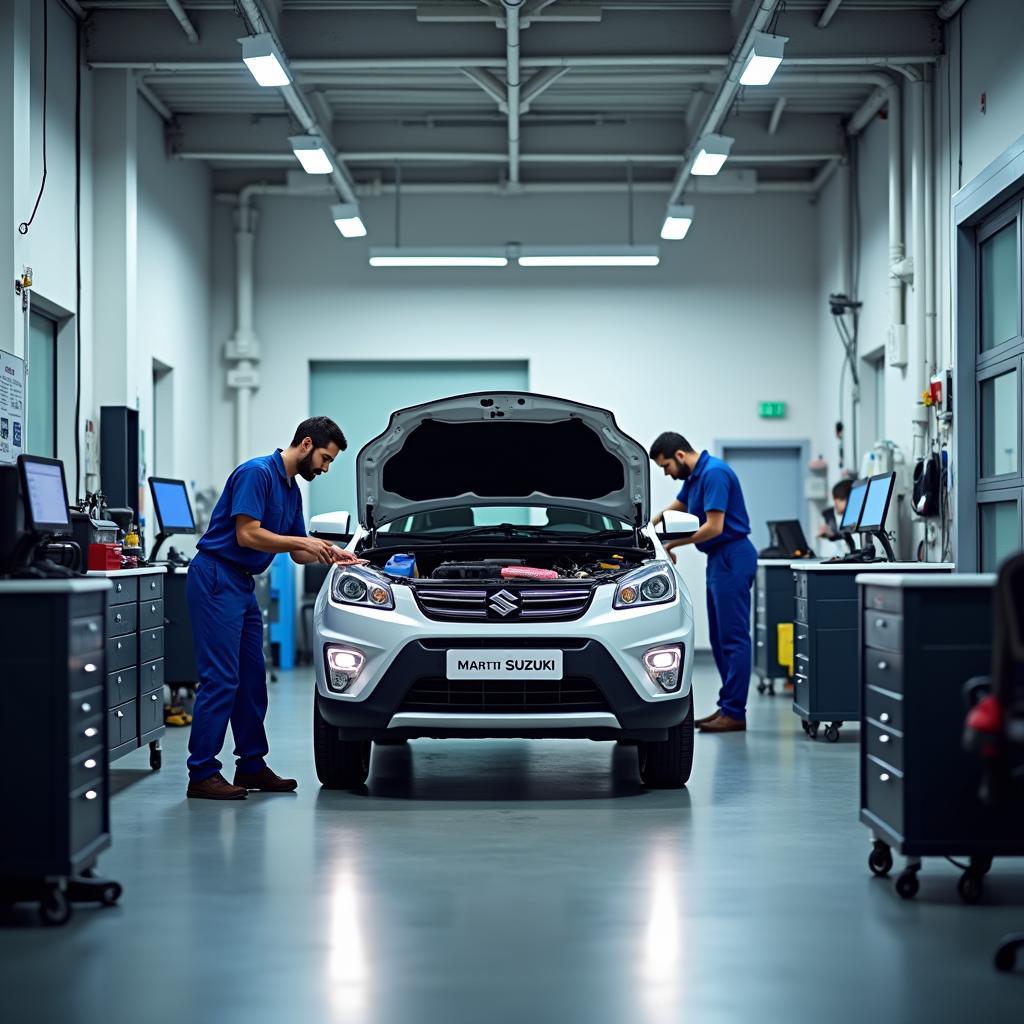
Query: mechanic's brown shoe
[707, 718]
[216, 787]
[723, 723]
[265, 781]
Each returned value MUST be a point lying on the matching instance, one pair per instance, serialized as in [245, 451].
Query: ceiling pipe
[919, 353]
[512, 84]
[757, 21]
[829, 13]
[776, 117]
[183, 20]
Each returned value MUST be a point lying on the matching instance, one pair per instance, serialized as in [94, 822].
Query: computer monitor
[172, 506]
[788, 534]
[854, 507]
[45, 495]
[876, 503]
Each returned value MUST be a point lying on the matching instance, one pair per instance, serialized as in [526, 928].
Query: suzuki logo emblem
[503, 603]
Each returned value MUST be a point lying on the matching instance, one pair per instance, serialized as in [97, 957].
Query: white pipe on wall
[918, 355]
[930, 272]
[512, 84]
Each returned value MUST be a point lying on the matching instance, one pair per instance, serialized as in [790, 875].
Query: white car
[542, 605]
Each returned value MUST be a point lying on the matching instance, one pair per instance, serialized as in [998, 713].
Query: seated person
[840, 496]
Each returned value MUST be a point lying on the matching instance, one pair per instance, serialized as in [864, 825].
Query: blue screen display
[873, 515]
[854, 506]
[47, 497]
[172, 507]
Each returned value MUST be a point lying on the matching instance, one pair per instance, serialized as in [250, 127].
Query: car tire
[666, 765]
[340, 764]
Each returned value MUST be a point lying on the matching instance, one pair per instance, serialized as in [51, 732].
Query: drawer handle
[881, 624]
[93, 628]
[884, 716]
[89, 763]
[152, 608]
[89, 668]
[760, 643]
[119, 587]
[119, 680]
[885, 777]
[801, 636]
[882, 666]
[91, 794]
[86, 708]
[120, 714]
[152, 696]
[118, 617]
[152, 668]
[884, 738]
[152, 585]
[119, 645]
[90, 732]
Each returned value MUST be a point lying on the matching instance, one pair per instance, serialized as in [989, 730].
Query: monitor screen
[790, 536]
[173, 509]
[876, 504]
[854, 506]
[46, 495]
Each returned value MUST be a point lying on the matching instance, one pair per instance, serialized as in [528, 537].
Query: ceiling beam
[490, 83]
[776, 115]
[829, 13]
[183, 20]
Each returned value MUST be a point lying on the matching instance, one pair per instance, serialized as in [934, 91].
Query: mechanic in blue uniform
[258, 515]
[711, 492]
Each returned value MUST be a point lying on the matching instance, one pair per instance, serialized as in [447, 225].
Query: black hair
[841, 491]
[321, 430]
[666, 445]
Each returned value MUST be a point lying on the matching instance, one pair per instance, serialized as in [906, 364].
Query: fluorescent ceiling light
[438, 257]
[764, 59]
[589, 256]
[264, 60]
[677, 222]
[310, 153]
[714, 151]
[347, 220]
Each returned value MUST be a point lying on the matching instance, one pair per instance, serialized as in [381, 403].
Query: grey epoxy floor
[515, 881]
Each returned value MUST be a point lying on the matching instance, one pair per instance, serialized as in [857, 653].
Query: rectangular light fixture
[309, 151]
[347, 220]
[678, 219]
[264, 60]
[439, 256]
[764, 59]
[713, 152]
[589, 256]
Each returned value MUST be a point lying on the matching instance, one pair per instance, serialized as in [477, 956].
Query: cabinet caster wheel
[156, 760]
[761, 687]
[804, 726]
[970, 886]
[907, 885]
[55, 908]
[832, 733]
[880, 859]
[812, 729]
[110, 894]
[771, 689]
[1006, 956]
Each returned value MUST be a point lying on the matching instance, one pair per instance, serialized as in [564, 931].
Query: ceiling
[611, 92]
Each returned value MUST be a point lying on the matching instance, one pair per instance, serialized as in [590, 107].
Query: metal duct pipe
[183, 20]
[829, 13]
[918, 356]
[930, 268]
[512, 84]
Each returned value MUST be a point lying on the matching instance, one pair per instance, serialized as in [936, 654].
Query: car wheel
[666, 765]
[340, 764]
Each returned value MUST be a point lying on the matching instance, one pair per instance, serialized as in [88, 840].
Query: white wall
[725, 321]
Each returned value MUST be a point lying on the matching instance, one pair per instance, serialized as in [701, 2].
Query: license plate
[502, 664]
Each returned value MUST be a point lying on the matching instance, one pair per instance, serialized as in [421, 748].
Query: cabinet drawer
[88, 807]
[800, 584]
[85, 735]
[884, 789]
[151, 711]
[126, 590]
[121, 724]
[151, 586]
[152, 676]
[800, 609]
[87, 768]
[883, 629]
[121, 652]
[884, 599]
[151, 612]
[151, 644]
[122, 619]
[121, 686]
[883, 708]
[85, 706]
[884, 669]
[85, 672]
[885, 745]
[86, 636]
[801, 687]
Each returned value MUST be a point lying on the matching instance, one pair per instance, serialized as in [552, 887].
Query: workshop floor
[512, 881]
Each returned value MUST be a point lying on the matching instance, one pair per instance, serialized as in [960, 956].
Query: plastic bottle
[401, 565]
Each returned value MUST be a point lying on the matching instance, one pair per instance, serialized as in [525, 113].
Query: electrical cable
[26, 224]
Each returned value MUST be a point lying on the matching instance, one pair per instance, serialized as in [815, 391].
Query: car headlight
[359, 586]
[651, 584]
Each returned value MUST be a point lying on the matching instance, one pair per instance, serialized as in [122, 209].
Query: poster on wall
[12, 407]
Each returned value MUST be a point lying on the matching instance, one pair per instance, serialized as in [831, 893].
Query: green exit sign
[772, 410]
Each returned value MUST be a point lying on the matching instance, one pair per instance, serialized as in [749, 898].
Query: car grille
[515, 696]
[502, 603]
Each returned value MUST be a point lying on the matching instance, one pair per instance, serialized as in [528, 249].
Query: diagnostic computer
[876, 508]
[33, 514]
[173, 510]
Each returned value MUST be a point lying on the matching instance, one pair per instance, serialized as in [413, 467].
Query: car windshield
[521, 519]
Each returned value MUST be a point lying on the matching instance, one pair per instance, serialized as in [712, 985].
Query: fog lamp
[663, 665]
[343, 667]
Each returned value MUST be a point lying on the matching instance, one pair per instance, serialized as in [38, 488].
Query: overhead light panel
[589, 256]
[264, 60]
[439, 257]
[714, 151]
[310, 152]
[347, 220]
[764, 59]
[678, 219]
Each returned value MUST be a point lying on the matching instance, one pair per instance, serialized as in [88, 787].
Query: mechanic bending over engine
[711, 492]
[258, 516]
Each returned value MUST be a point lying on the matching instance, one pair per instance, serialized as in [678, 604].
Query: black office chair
[313, 577]
[995, 723]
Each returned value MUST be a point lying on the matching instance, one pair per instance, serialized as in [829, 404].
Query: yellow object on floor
[176, 715]
[785, 645]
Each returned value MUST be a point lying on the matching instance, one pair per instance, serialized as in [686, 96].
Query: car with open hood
[513, 586]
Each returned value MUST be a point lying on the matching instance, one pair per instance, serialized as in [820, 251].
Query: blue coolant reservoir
[401, 565]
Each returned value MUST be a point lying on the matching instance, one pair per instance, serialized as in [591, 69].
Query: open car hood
[502, 448]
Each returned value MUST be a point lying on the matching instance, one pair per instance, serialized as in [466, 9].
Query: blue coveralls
[732, 565]
[227, 625]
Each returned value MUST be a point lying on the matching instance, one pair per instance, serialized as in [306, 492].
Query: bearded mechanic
[258, 516]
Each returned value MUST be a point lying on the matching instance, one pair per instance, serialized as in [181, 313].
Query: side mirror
[332, 526]
[676, 525]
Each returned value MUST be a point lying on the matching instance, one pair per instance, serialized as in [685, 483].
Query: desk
[826, 634]
[57, 815]
[134, 635]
